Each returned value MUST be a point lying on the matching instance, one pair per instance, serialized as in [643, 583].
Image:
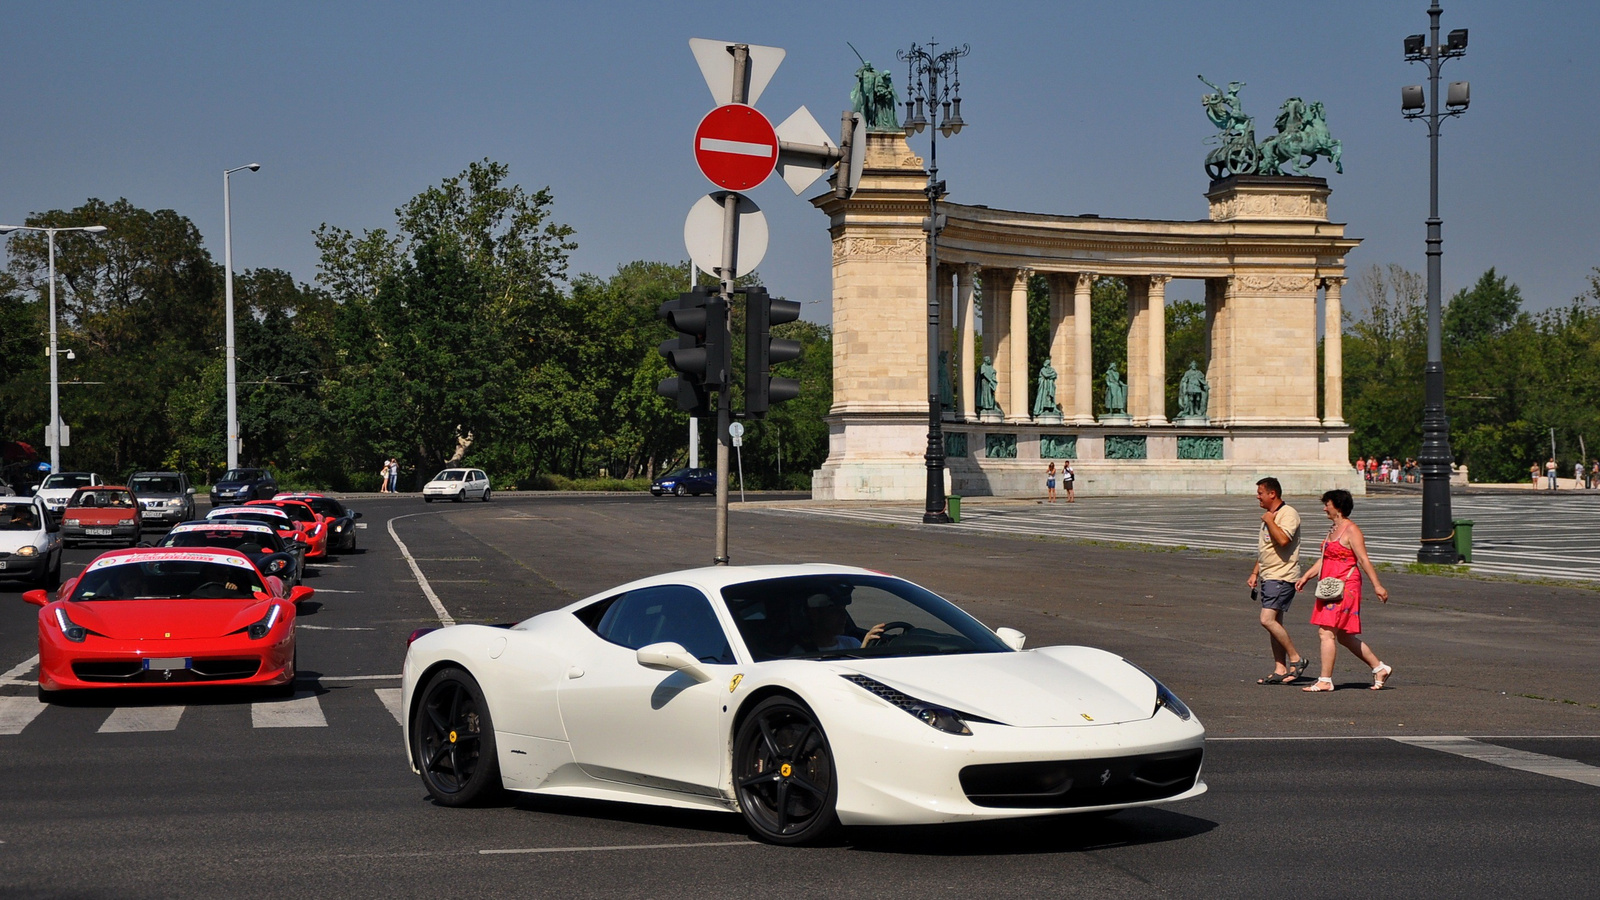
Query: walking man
[1272, 579]
[394, 475]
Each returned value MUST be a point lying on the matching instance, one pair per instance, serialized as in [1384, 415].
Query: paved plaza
[1522, 534]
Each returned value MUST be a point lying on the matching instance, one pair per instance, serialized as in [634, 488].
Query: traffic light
[762, 350]
[701, 355]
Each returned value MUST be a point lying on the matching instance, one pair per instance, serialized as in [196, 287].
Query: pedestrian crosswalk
[306, 709]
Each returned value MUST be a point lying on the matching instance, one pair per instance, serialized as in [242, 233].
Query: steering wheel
[209, 589]
[899, 628]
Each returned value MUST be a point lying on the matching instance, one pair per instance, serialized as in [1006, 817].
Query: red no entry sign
[736, 147]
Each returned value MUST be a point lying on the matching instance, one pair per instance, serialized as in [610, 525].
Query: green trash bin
[1464, 539]
[953, 507]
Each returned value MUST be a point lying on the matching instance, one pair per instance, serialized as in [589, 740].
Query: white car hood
[11, 541]
[56, 494]
[1049, 687]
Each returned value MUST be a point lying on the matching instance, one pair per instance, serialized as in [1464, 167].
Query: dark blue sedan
[686, 481]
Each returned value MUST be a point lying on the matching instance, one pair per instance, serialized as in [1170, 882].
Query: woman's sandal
[1378, 681]
[1318, 687]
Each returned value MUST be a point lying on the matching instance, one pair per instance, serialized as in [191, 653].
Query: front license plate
[167, 664]
[97, 531]
[152, 515]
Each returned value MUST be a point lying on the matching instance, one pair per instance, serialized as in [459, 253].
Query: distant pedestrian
[1577, 475]
[1383, 470]
[1361, 467]
[1067, 478]
[1344, 557]
[1594, 474]
[1550, 472]
[383, 478]
[1533, 472]
[1050, 482]
[1272, 579]
[394, 475]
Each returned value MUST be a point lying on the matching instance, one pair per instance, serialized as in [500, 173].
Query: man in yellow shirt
[1272, 580]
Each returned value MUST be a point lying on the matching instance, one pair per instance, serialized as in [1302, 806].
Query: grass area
[562, 483]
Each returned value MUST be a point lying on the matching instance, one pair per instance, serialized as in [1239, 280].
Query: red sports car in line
[306, 520]
[154, 616]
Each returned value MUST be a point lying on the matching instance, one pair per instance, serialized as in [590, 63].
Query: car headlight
[931, 714]
[1165, 696]
[27, 550]
[258, 630]
[73, 522]
[73, 631]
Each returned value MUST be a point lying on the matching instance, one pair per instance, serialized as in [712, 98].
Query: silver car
[165, 498]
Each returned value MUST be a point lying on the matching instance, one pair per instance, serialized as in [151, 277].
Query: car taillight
[418, 633]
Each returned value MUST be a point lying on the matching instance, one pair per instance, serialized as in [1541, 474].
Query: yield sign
[736, 147]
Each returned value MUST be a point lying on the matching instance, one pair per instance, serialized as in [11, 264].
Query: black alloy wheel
[783, 773]
[453, 741]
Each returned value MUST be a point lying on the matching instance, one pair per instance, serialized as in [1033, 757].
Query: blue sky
[352, 108]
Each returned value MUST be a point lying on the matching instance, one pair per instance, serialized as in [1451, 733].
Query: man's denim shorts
[1276, 594]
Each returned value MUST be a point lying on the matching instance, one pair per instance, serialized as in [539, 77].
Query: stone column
[1333, 354]
[968, 365]
[1061, 324]
[1021, 408]
[947, 326]
[1137, 376]
[1083, 350]
[1157, 331]
[997, 332]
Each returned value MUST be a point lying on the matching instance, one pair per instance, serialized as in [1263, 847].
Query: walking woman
[1344, 556]
[1050, 481]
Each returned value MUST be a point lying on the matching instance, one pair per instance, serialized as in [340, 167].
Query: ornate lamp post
[933, 81]
[1435, 457]
[53, 431]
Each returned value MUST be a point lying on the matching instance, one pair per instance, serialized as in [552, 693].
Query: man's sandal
[1381, 676]
[1298, 668]
[1322, 685]
[1276, 678]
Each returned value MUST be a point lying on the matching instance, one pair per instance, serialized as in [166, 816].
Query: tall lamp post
[1435, 457]
[933, 81]
[52, 431]
[227, 262]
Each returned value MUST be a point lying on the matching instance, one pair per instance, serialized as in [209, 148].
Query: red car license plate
[97, 531]
[169, 663]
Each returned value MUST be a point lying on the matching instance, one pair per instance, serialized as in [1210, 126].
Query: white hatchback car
[30, 542]
[457, 485]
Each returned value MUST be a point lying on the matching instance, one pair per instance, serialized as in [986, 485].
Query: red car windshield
[296, 511]
[168, 579]
[101, 497]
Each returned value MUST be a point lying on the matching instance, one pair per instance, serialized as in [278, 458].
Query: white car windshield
[65, 480]
[851, 615]
[450, 475]
[19, 517]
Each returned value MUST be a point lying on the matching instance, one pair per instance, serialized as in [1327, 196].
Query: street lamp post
[933, 79]
[52, 430]
[227, 262]
[1435, 457]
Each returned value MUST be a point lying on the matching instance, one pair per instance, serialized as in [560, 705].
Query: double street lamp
[227, 259]
[1435, 457]
[53, 429]
[933, 102]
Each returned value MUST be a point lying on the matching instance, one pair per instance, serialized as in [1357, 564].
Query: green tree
[1488, 308]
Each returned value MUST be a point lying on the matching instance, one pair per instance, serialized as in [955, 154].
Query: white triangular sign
[716, 64]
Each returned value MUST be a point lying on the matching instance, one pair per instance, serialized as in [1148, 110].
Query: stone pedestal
[1191, 422]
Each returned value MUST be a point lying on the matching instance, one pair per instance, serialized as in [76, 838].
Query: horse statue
[1302, 134]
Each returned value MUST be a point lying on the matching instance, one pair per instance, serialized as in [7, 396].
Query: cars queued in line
[58, 487]
[685, 482]
[338, 519]
[802, 697]
[30, 542]
[272, 557]
[156, 617]
[457, 485]
[305, 520]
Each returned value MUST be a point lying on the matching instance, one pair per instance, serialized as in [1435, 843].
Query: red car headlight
[258, 630]
[73, 631]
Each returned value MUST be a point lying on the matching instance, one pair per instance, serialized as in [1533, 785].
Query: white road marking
[142, 718]
[742, 148]
[20, 669]
[427, 590]
[17, 712]
[304, 711]
[391, 700]
[1521, 760]
[622, 847]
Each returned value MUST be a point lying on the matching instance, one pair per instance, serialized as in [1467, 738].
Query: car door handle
[574, 672]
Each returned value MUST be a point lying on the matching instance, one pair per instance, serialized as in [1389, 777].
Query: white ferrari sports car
[802, 697]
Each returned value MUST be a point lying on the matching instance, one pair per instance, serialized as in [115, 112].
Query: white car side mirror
[1011, 637]
[671, 657]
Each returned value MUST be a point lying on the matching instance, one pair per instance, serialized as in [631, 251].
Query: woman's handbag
[1330, 589]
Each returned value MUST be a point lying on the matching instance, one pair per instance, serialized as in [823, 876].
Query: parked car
[30, 542]
[338, 519]
[165, 498]
[686, 481]
[457, 485]
[242, 486]
[58, 488]
[105, 513]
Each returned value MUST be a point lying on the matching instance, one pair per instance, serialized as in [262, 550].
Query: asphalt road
[1477, 774]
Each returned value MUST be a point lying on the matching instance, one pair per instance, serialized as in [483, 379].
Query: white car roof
[222, 511]
[713, 579]
[236, 525]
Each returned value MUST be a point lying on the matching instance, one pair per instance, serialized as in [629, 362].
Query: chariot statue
[1236, 152]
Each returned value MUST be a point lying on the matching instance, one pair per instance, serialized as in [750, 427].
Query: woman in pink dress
[1344, 555]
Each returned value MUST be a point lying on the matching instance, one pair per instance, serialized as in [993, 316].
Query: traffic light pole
[727, 273]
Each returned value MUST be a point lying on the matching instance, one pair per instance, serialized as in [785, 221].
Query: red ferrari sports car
[306, 520]
[154, 616]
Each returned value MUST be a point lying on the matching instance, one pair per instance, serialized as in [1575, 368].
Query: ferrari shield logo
[734, 684]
